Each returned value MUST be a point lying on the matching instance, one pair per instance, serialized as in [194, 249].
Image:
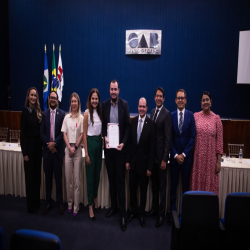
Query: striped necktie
[181, 122]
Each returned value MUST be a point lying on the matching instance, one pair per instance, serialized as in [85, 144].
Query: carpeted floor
[81, 232]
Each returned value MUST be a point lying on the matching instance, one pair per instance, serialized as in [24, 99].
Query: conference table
[234, 177]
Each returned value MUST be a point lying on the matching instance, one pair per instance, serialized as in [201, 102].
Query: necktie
[52, 120]
[181, 122]
[154, 119]
[139, 131]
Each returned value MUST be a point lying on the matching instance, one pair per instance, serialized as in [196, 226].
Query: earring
[210, 104]
[201, 106]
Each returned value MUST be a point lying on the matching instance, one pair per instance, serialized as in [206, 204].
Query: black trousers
[135, 179]
[32, 169]
[53, 165]
[159, 184]
[115, 163]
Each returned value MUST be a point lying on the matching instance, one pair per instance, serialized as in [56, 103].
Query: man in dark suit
[140, 159]
[163, 127]
[115, 110]
[183, 138]
[53, 150]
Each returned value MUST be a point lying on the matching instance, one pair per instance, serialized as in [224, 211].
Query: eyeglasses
[53, 98]
[180, 98]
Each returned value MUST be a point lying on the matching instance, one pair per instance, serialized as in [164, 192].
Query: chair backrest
[237, 220]
[3, 133]
[234, 149]
[14, 135]
[32, 239]
[1, 239]
[199, 220]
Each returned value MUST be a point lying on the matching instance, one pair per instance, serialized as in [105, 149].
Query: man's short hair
[55, 93]
[182, 90]
[160, 89]
[115, 81]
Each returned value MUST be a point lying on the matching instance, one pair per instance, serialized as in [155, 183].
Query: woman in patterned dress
[208, 148]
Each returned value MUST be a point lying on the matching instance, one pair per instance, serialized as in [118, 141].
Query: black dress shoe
[170, 220]
[142, 221]
[61, 209]
[131, 217]
[110, 212]
[159, 221]
[151, 212]
[123, 224]
[47, 209]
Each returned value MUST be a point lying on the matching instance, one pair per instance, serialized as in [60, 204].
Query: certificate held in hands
[113, 135]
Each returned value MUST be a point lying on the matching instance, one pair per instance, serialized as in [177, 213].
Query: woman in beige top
[72, 129]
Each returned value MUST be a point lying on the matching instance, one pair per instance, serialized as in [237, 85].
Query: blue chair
[198, 225]
[34, 240]
[236, 223]
[1, 239]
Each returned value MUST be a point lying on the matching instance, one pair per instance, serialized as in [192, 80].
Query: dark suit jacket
[141, 156]
[45, 132]
[123, 118]
[184, 142]
[163, 134]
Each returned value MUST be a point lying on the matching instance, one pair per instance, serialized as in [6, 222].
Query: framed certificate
[113, 135]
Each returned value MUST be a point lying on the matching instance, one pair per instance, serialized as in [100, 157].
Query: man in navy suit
[140, 159]
[183, 139]
[53, 150]
[115, 110]
[163, 136]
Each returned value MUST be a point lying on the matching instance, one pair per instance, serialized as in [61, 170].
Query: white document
[113, 135]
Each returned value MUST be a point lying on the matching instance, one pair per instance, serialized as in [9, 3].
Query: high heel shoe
[75, 214]
[96, 208]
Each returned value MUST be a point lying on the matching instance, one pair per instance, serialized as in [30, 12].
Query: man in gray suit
[163, 133]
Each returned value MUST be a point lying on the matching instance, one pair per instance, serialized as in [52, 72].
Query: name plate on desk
[113, 135]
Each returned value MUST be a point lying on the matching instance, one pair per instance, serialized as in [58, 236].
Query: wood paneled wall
[234, 131]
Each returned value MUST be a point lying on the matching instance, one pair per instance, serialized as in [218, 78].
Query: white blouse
[72, 127]
[96, 129]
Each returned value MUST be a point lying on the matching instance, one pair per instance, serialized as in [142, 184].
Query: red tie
[52, 125]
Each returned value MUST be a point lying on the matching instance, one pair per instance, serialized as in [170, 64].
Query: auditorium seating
[1, 239]
[198, 225]
[236, 223]
[32, 239]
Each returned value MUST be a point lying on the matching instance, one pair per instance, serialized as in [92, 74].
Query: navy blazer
[184, 142]
[45, 132]
[141, 155]
[123, 118]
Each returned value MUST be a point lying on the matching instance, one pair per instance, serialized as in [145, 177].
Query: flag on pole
[53, 80]
[45, 81]
[60, 80]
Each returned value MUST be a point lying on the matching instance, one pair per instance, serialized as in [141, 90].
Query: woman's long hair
[74, 94]
[37, 104]
[90, 107]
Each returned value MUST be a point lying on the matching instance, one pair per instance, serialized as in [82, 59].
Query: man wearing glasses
[183, 138]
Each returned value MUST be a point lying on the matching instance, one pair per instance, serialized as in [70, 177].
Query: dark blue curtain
[199, 49]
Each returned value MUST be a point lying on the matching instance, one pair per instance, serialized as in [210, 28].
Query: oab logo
[143, 42]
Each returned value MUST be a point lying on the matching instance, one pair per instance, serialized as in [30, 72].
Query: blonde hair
[74, 94]
[37, 104]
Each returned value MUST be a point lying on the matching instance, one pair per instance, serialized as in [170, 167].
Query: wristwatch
[75, 147]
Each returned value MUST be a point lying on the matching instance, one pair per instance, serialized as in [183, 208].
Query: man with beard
[53, 150]
[116, 110]
[163, 134]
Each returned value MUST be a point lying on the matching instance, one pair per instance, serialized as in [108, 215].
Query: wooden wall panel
[234, 131]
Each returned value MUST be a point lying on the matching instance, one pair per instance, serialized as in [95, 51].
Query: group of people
[193, 141]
